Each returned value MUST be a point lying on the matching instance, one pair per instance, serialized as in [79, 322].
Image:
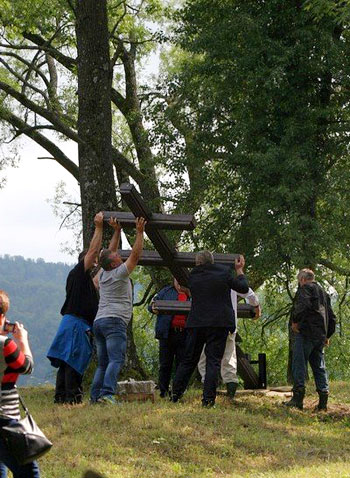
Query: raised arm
[253, 300]
[114, 244]
[95, 244]
[136, 250]
[240, 283]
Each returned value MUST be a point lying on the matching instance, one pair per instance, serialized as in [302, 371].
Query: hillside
[253, 437]
[37, 290]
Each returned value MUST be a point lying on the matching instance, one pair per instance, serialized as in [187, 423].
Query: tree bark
[97, 186]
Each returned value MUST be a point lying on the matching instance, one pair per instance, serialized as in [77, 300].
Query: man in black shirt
[209, 322]
[71, 348]
[313, 323]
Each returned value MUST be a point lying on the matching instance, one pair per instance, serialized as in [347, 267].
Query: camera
[9, 327]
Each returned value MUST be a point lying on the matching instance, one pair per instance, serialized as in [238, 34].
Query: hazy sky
[28, 225]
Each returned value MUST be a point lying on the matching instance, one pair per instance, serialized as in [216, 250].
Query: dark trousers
[170, 349]
[69, 387]
[309, 350]
[214, 339]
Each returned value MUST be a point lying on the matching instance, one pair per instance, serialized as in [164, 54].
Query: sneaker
[109, 399]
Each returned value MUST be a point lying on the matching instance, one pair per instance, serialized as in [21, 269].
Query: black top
[313, 312]
[210, 286]
[81, 295]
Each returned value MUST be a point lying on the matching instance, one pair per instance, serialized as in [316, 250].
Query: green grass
[255, 437]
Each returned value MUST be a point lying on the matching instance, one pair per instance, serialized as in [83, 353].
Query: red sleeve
[14, 357]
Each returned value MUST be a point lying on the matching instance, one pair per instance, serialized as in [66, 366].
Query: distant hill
[37, 291]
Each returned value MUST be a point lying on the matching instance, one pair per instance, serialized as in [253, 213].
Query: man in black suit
[209, 322]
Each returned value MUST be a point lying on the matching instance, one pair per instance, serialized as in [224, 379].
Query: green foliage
[263, 90]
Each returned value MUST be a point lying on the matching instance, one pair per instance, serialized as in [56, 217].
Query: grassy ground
[254, 437]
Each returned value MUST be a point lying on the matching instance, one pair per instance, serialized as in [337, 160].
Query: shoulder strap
[3, 364]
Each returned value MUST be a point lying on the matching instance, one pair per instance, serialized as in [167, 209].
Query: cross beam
[174, 222]
[171, 307]
[184, 259]
[167, 252]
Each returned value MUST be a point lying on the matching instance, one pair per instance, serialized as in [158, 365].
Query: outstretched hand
[239, 264]
[114, 223]
[140, 225]
[98, 219]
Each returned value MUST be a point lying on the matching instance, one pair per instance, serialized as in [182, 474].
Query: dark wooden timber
[167, 252]
[184, 259]
[244, 311]
[177, 262]
[246, 371]
[174, 222]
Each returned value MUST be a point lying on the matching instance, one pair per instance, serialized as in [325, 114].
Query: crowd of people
[98, 307]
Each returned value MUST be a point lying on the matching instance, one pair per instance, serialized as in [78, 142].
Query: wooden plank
[246, 371]
[167, 252]
[171, 307]
[172, 222]
[184, 259]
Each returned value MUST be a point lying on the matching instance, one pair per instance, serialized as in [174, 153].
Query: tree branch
[50, 116]
[57, 153]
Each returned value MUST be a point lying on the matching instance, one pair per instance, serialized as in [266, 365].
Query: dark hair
[105, 261]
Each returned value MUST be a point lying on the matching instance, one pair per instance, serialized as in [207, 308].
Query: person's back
[115, 294]
[210, 286]
[312, 323]
[313, 312]
[81, 295]
[209, 322]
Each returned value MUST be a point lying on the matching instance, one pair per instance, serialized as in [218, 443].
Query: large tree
[264, 90]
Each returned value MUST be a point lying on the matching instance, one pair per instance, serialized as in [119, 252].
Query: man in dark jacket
[209, 322]
[313, 323]
[171, 333]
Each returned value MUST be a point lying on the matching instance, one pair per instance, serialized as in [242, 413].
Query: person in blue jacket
[171, 333]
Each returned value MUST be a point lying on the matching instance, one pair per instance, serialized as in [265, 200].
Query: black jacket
[210, 287]
[313, 312]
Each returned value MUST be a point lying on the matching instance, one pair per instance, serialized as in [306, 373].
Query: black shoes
[208, 403]
[297, 399]
[231, 388]
[322, 403]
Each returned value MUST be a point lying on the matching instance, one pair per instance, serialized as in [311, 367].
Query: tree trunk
[97, 186]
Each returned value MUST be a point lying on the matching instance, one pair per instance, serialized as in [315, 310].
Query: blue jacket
[163, 321]
[71, 344]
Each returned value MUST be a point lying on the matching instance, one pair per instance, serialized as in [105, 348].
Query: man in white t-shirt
[229, 360]
[114, 313]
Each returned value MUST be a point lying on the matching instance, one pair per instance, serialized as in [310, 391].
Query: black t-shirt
[81, 294]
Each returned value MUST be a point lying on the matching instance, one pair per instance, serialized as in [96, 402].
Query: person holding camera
[15, 359]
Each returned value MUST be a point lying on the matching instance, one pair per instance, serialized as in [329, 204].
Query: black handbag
[24, 439]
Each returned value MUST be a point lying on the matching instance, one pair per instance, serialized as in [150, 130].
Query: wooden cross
[178, 262]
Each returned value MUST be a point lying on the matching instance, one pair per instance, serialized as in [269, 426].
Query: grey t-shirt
[115, 294]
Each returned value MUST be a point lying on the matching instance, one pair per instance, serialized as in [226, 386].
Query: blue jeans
[309, 350]
[110, 339]
[7, 458]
